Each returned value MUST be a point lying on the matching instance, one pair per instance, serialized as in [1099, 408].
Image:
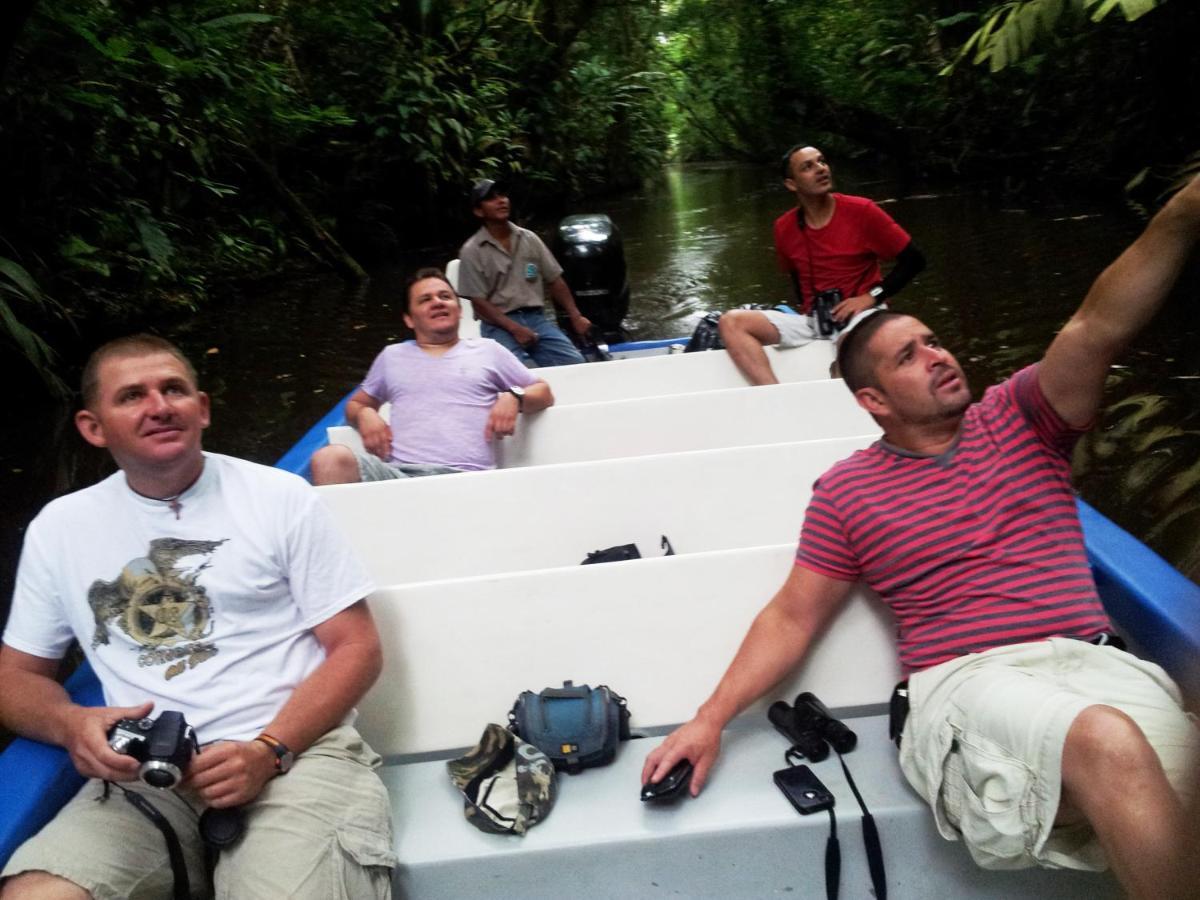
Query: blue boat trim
[37, 779]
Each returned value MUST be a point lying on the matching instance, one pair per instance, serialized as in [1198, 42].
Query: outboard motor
[589, 249]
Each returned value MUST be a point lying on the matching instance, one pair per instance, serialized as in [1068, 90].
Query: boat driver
[450, 397]
[506, 271]
[1033, 738]
[214, 587]
[829, 242]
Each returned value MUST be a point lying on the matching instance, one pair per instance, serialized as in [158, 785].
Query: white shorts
[984, 738]
[794, 330]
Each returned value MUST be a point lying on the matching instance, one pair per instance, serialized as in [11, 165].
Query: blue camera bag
[576, 727]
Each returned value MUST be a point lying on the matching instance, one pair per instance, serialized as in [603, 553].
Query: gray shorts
[372, 468]
[320, 832]
[984, 738]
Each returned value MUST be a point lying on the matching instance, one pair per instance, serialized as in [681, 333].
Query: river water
[1000, 280]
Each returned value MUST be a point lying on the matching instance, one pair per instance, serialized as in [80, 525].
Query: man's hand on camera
[230, 773]
[698, 740]
[87, 741]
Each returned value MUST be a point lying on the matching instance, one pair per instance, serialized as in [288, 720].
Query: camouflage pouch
[508, 785]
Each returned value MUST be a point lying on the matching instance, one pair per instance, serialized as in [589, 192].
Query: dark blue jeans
[553, 348]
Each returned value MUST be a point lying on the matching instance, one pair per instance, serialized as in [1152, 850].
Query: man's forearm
[909, 264]
[538, 396]
[35, 706]
[1131, 290]
[323, 699]
[773, 646]
[563, 298]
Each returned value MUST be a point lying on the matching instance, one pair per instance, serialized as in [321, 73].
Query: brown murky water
[1000, 281]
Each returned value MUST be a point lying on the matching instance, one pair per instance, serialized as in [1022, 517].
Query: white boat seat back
[658, 631]
[540, 517]
[656, 376]
[737, 417]
[734, 417]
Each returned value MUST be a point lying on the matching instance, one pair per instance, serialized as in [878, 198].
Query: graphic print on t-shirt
[157, 600]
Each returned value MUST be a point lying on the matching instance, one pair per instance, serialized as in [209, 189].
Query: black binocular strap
[183, 888]
[870, 838]
[833, 860]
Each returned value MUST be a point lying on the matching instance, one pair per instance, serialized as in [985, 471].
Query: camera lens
[159, 778]
[161, 775]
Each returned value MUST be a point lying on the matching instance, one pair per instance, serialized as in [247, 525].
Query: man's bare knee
[739, 323]
[1103, 749]
[335, 464]
[41, 886]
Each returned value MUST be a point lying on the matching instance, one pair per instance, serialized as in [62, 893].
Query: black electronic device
[803, 789]
[223, 827]
[807, 742]
[671, 785]
[164, 746]
[822, 310]
[811, 715]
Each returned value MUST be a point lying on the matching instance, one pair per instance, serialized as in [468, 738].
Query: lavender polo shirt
[441, 404]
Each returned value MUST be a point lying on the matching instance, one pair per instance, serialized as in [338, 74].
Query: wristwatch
[876, 294]
[283, 756]
[519, 393]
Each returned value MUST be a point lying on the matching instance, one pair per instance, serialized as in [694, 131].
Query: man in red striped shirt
[963, 520]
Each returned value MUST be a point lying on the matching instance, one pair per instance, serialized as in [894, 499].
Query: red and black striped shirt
[975, 548]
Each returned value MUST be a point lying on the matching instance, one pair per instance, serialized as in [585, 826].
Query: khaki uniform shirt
[510, 281]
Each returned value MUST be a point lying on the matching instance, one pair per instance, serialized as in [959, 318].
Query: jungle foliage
[152, 153]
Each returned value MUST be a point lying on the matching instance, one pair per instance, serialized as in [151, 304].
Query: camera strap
[182, 888]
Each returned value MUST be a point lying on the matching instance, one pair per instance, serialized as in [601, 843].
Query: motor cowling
[590, 250]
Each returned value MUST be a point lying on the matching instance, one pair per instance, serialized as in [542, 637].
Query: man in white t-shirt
[450, 398]
[218, 588]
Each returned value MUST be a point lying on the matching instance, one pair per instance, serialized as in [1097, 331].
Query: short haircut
[853, 360]
[421, 275]
[119, 348]
[787, 157]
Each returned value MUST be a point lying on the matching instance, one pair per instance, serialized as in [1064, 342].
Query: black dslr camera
[810, 727]
[822, 310]
[164, 746]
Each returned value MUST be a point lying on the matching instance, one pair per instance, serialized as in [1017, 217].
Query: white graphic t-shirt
[204, 605]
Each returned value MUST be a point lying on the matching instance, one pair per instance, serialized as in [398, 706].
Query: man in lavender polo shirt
[449, 398]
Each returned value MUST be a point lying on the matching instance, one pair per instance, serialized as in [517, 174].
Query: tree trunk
[333, 252]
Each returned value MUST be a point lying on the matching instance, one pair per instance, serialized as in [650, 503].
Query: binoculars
[811, 728]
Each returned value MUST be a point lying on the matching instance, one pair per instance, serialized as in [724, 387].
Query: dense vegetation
[153, 152]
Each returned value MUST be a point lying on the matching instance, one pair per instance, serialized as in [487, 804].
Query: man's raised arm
[776, 642]
[1121, 301]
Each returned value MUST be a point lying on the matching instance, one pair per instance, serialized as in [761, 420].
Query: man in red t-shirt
[962, 520]
[829, 242]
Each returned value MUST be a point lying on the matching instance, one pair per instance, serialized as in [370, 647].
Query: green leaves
[18, 284]
[1011, 29]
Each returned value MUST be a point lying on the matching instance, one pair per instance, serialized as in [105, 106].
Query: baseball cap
[508, 785]
[483, 188]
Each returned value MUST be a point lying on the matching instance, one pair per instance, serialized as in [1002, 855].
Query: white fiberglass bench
[539, 517]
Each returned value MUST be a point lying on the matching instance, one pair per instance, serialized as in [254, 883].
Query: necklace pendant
[175, 507]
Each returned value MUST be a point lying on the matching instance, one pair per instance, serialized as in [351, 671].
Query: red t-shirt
[976, 548]
[845, 253]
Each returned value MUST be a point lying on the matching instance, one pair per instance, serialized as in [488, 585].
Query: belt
[898, 704]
